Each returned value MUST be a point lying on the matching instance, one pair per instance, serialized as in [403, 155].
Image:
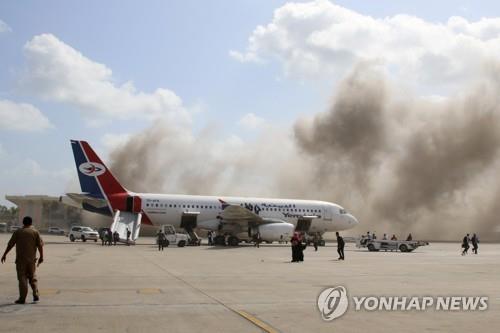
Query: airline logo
[92, 169]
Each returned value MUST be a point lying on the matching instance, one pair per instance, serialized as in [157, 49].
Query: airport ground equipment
[173, 237]
[389, 245]
[124, 220]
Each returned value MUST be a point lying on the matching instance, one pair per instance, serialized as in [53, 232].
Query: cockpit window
[342, 211]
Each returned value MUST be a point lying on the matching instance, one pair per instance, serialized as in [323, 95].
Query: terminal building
[46, 211]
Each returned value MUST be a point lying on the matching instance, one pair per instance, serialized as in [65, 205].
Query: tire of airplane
[181, 243]
[219, 240]
[403, 248]
[233, 241]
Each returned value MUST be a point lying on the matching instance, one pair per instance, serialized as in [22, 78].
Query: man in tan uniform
[27, 240]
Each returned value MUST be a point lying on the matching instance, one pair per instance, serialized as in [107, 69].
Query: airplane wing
[235, 213]
[82, 198]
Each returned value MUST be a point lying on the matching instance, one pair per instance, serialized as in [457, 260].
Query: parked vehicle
[55, 230]
[83, 233]
[14, 228]
[3, 227]
[391, 245]
[173, 237]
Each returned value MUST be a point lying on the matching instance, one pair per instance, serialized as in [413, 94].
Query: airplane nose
[352, 221]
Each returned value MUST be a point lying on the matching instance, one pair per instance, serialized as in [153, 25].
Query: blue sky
[183, 46]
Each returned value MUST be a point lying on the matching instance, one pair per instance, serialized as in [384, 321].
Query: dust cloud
[398, 162]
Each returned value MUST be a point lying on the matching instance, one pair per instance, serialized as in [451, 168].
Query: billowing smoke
[399, 163]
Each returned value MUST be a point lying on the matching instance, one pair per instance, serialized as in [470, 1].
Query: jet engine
[273, 231]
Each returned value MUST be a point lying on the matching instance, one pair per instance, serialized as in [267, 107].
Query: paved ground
[86, 287]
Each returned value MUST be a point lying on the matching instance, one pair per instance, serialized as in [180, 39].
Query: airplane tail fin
[96, 180]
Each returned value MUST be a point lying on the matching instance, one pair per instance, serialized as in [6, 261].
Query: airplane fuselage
[170, 209]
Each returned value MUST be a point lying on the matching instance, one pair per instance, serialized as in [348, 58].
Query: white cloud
[57, 72]
[251, 121]
[4, 27]
[22, 117]
[320, 38]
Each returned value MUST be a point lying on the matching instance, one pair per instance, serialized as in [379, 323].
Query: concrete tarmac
[86, 287]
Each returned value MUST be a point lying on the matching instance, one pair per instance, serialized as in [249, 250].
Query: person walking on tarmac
[128, 236]
[474, 240]
[116, 237]
[109, 237]
[26, 240]
[315, 242]
[294, 241]
[340, 246]
[258, 239]
[465, 245]
[161, 240]
[300, 248]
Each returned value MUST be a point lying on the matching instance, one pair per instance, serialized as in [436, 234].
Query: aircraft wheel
[233, 241]
[403, 248]
[219, 240]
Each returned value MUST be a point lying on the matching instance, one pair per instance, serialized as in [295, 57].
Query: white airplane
[237, 218]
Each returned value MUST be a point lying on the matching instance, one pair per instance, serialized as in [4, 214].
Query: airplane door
[327, 213]
[133, 204]
[303, 225]
[188, 221]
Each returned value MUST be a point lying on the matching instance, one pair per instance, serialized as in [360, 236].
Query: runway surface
[86, 288]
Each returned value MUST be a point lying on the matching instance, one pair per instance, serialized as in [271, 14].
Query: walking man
[465, 245]
[26, 240]
[161, 240]
[315, 242]
[340, 246]
[474, 240]
[128, 236]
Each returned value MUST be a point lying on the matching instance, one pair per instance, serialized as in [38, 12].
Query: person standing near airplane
[128, 236]
[161, 240]
[340, 246]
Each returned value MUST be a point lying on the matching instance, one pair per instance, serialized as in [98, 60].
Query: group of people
[299, 244]
[109, 237]
[468, 240]
[369, 236]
